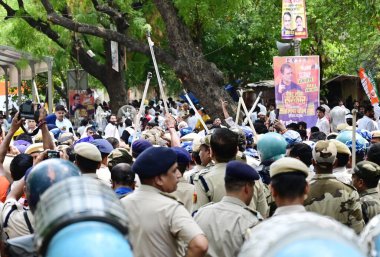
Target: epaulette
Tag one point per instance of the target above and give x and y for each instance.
(255, 213)
(196, 176)
(207, 204)
(171, 197)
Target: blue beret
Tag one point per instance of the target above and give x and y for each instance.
(240, 170)
(51, 118)
(103, 145)
(154, 161)
(182, 155)
(139, 146)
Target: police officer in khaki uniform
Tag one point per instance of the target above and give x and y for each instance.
(330, 197)
(365, 179)
(288, 185)
(225, 223)
(204, 156)
(159, 225)
(185, 191)
(209, 186)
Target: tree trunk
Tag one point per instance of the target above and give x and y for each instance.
(114, 81)
(198, 75)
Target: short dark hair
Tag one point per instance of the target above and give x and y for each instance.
(321, 109)
(342, 159)
(197, 159)
(233, 185)
(19, 165)
(302, 124)
(60, 107)
(316, 136)
(192, 112)
(86, 164)
(292, 126)
(128, 122)
(303, 152)
(224, 143)
(368, 108)
(84, 122)
(122, 174)
(314, 129)
(289, 185)
(113, 141)
(182, 167)
(373, 153)
(25, 137)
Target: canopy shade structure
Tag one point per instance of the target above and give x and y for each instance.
(14, 76)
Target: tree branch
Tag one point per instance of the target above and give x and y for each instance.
(131, 44)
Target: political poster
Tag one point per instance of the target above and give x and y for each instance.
(369, 86)
(297, 85)
(294, 24)
(81, 103)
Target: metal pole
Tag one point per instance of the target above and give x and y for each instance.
(249, 119)
(6, 75)
(253, 107)
(297, 47)
(18, 86)
(196, 111)
(151, 44)
(238, 111)
(50, 84)
(353, 154)
(139, 113)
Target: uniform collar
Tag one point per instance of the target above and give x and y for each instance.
(369, 191)
(147, 188)
(340, 170)
(289, 209)
(324, 176)
(233, 200)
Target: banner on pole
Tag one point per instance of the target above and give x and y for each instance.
(294, 24)
(297, 84)
(369, 86)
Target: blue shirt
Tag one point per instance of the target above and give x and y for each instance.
(123, 191)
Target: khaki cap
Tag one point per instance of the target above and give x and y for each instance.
(88, 151)
(342, 126)
(340, 147)
(287, 165)
(324, 152)
(375, 134)
(33, 148)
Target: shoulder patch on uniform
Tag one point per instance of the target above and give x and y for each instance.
(255, 213)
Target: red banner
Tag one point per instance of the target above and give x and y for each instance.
(368, 86)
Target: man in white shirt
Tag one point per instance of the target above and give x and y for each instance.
(111, 129)
(192, 120)
(61, 122)
(322, 122)
(368, 122)
(337, 116)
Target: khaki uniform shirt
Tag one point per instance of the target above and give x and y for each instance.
(13, 214)
(297, 208)
(370, 200)
(215, 185)
(225, 224)
(330, 197)
(157, 223)
(185, 193)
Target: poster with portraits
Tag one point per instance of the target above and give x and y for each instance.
(82, 103)
(297, 85)
(293, 21)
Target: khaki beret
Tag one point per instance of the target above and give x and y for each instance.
(287, 165)
(375, 134)
(33, 148)
(367, 169)
(340, 147)
(88, 151)
(206, 140)
(342, 126)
